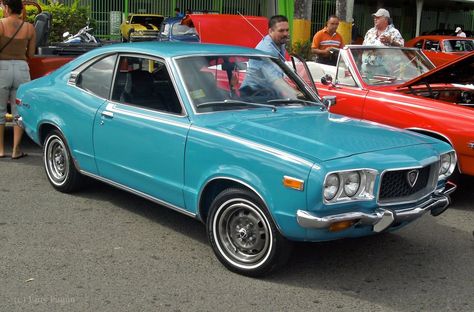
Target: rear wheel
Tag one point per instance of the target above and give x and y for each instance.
(58, 163)
(243, 235)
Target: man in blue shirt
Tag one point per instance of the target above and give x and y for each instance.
(260, 73)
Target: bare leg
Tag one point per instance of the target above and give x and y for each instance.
(2, 140)
(17, 135)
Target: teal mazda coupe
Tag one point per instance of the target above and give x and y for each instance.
(234, 138)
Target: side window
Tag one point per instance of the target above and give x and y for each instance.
(97, 78)
(432, 45)
(145, 82)
(419, 44)
(344, 75)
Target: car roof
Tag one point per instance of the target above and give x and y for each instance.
(174, 49)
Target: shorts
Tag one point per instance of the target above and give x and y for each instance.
(12, 74)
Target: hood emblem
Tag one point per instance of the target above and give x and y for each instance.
(412, 177)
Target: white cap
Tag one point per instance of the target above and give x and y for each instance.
(458, 29)
(381, 12)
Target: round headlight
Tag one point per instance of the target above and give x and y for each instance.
(352, 183)
(445, 163)
(331, 186)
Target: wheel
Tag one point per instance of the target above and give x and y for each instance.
(243, 235)
(59, 165)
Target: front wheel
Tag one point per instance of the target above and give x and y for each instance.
(243, 235)
(58, 163)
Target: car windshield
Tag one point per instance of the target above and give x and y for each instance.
(383, 66)
(147, 20)
(458, 45)
(226, 82)
(180, 30)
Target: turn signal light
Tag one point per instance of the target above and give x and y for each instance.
(339, 226)
(293, 183)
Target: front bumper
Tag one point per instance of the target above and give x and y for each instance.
(381, 218)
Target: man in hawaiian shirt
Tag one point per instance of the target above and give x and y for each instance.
(383, 33)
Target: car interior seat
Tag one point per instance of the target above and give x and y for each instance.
(139, 90)
(42, 25)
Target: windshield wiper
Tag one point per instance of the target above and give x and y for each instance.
(235, 102)
(299, 101)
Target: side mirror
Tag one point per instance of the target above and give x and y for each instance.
(326, 80)
(329, 100)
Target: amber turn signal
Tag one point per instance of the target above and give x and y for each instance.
(293, 183)
(339, 226)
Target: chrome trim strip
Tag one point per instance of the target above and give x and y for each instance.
(112, 107)
(380, 218)
(258, 146)
(141, 194)
(415, 129)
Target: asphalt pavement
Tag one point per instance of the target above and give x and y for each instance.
(103, 249)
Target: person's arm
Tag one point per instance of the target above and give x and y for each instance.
(30, 50)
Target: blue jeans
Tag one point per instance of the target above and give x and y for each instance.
(12, 74)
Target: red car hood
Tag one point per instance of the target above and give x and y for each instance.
(460, 70)
(230, 29)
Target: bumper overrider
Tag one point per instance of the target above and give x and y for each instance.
(381, 218)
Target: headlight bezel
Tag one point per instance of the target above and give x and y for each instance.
(365, 190)
(447, 165)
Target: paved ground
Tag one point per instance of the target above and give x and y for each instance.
(106, 250)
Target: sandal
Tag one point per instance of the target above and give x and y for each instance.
(20, 156)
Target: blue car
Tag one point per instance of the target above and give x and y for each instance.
(173, 30)
(234, 138)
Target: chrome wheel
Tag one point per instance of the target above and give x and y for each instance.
(242, 233)
(56, 160)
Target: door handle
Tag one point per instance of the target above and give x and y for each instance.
(107, 114)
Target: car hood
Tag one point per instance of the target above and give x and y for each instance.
(460, 70)
(230, 29)
(318, 136)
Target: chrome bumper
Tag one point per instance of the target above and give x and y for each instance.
(381, 218)
(19, 121)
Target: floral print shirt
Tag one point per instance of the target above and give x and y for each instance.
(371, 37)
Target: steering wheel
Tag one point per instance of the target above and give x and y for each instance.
(33, 3)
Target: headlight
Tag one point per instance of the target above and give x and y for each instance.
(352, 183)
(356, 185)
(331, 186)
(447, 163)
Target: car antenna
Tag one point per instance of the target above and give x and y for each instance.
(261, 35)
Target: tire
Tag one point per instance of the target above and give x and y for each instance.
(58, 163)
(243, 235)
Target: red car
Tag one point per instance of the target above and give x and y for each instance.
(442, 49)
(400, 87)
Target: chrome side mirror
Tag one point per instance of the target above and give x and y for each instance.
(329, 100)
(326, 80)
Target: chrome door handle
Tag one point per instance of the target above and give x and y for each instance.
(107, 114)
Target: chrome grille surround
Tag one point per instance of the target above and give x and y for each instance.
(394, 188)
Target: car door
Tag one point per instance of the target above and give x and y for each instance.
(89, 86)
(140, 133)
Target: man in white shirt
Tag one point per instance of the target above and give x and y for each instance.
(459, 32)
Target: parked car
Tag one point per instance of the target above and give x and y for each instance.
(171, 122)
(246, 31)
(141, 27)
(400, 87)
(442, 49)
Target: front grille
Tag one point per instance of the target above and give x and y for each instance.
(395, 187)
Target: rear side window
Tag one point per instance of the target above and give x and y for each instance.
(97, 78)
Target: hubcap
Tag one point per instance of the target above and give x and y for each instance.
(57, 161)
(242, 232)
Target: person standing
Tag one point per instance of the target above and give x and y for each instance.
(459, 32)
(275, 44)
(17, 44)
(383, 33)
(327, 41)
